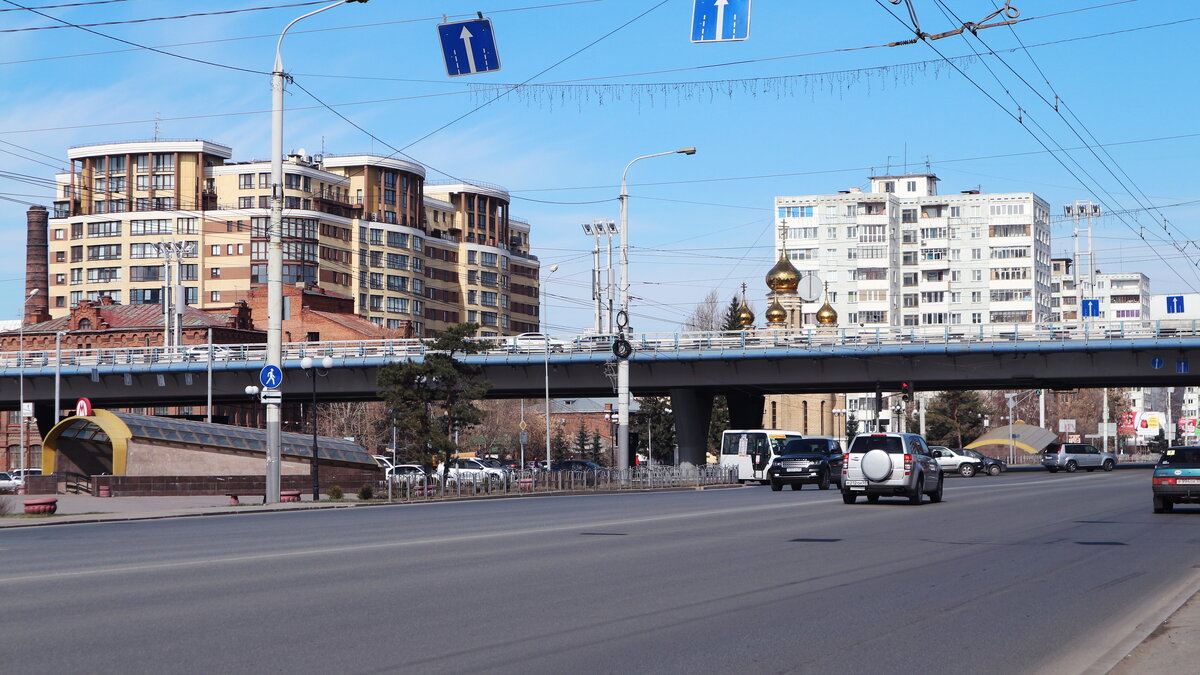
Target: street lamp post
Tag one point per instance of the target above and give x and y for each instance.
(275, 255)
(21, 381)
(58, 374)
(623, 315)
(311, 367)
(545, 309)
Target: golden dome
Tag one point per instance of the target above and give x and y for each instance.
(783, 277)
(776, 314)
(745, 317)
(826, 316)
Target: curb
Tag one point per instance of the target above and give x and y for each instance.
(251, 509)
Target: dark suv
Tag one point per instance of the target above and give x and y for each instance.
(1177, 478)
(807, 460)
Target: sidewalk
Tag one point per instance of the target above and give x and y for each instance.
(1173, 647)
(89, 509)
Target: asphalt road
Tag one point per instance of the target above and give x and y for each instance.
(1016, 573)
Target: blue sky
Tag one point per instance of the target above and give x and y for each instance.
(809, 104)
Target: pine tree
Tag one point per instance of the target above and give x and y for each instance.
(730, 321)
(851, 425)
(581, 441)
(429, 399)
(595, 449)
(955, 418)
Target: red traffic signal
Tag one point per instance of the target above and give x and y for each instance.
(906, 391)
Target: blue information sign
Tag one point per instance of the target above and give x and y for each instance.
(720, 20)
(1181, 366)
(1091, 308)
(469, 47)
(1174, 304)
(270, 377)
(1156, 362)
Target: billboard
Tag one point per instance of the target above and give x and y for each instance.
(1127, 424)
(1148, 424)
(1187, 426)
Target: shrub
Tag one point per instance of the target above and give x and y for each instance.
(6, 505)
(365, 493)
(335, 492)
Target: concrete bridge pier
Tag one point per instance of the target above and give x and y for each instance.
(745, 410)
(693, 411)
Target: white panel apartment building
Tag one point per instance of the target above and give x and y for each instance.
(903, 255)
(1123, 296)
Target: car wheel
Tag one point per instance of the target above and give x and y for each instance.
(824, 483)
(917, 495)
(776, 486)
(873, 499)
(1160, 505)
(797, 486)
(936, 495)
(1108, 465)
(849, 497)
(966, 470)
(1071, 466)
(994, 470)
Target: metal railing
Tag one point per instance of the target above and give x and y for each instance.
(855, 337)
(431, 487)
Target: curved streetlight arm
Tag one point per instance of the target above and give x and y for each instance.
(279, 44)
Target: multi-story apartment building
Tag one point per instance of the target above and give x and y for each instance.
(903, 255)
(1123, 296)
(415, 258)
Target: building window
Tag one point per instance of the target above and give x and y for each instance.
(214, 296)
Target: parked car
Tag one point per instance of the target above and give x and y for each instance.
(890, 464)
(1176, 478)
(20, 474)
(954, 460)
(575, 465)
(412, 474)
(9, 481)
(807, 460)
(474, 470)
(992, 466)
(1072, 456)
(533, 343)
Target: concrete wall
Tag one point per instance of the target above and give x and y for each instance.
(147, 459)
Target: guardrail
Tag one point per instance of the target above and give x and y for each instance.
(431, 487)
(527, 344)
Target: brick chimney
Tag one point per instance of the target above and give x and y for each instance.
(37, 265)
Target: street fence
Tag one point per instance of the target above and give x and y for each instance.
(431, 487)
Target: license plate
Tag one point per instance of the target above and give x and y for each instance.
(1187, 481)
(856, 483)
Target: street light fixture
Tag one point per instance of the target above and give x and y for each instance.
(546, 338)
(623, 315)
(311, 368)
(275, 255)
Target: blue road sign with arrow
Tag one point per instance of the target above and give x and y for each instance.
(720, 20)
(270, 377)
(1174, 304)
(1156, 362)
(1181, 366)
(1091, 308)
(469, 47)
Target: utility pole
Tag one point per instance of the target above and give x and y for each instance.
(1106, 419)
(1085, 259)
(1042, 408)
(174, 299)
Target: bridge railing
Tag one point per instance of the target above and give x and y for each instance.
(791, 339)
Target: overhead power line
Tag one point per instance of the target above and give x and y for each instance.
(158, 18)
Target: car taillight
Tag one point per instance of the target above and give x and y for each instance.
(907, 464)
(1163, 480)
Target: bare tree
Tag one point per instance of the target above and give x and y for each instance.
(707, 314)
(364, 421)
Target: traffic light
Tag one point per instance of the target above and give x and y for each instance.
(906, 391)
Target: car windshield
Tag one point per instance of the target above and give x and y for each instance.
(1181, 457)
(973, 453)
(803, 446)
(495, 463)
(890, 444)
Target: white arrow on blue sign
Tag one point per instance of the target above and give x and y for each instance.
(720, 20)
(469, 47)
(1156, 362)
(1181, 367)
(1174, 304)
(1091, 308)
(270, 376)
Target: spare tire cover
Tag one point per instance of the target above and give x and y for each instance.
(877, 465)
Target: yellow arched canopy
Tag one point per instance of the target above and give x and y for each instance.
(100, 426)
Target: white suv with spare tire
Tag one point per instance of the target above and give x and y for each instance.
(890, 464)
